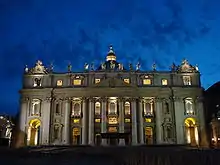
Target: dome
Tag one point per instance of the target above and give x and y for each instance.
(111, 55)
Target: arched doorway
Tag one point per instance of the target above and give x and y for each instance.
(149, 135)
(76, 136)
(191, 132)
(33, 138)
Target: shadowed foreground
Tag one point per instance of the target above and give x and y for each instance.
(83, 155)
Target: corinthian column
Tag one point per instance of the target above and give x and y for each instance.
(141, 120)
(158, 111)
(67, 108)
(134, 122)
(104, 118)
(121, 120)
(91, 121)
(84, 123)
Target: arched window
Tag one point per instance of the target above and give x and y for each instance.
(57, 110)
(97, 108)
(36, 107)
(76, 110)
(112, 108)
(189, 106)
(166, 108)
(127, 108)
(148, 108)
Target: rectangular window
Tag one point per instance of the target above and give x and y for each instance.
(147, 120)
(127, 120)
(59, 82)
(112, 129)
(147, 81)
(112, 120)
(97, 80)
(164, 82)
(126, 80)
(76, 120)
(186, 80)
(97, 120)
(77, 82)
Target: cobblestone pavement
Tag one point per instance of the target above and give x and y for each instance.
(84, 155)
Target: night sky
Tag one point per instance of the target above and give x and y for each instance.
(79, 31)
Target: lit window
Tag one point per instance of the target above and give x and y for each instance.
(77, 82)
(112, 129)
(76, 109)
(97, 120)
(76, 120)
(126, 80)
(37, 82)
(36, 107)
(127, 108)
(186, 80)
(147, 81)
(148, 108)
(59, 82)
(112, 108)
(97, 108)
(112, 120)
(147, 120)
(97, 80)
(164, 82)
(127, 120)
(189, 106)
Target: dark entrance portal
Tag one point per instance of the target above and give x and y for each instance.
(113, 138)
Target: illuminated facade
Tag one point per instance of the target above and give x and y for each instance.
(112, 105)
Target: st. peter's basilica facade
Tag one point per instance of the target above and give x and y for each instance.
(112, 105)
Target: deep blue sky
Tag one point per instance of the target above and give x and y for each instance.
(80, 31)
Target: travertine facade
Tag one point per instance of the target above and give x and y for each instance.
(112, 105)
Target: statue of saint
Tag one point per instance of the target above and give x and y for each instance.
(86, 66)
(26, 69)
(112, 65)
(154, 67)
(120, 66)
(69, 67)
(197, 67)
(138, 66)
(173, 67)
(130, 67)
(103, 65)
(92, 66)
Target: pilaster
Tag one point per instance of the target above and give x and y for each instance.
(121, 119)
(84, 122)
(159, 112)
(91, 120)
(66, 134)
(141, 121)
(201, 122)
(104, 119)
(179, 116)
(134, 121)
(46, 109)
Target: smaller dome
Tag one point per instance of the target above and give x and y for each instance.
(111, 54)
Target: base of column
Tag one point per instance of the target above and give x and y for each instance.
(104, 142)
(121, 142)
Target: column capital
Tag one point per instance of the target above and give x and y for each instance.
(176, 98)
(24, 99)
(104, 99)
(199, 99)
(92, 99)
(158, 99)
(47, 99)
(122, 99)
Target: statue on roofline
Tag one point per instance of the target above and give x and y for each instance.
(103, 66)
(86, 66)
(138, 66)
(69, 67)
(154, 67)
